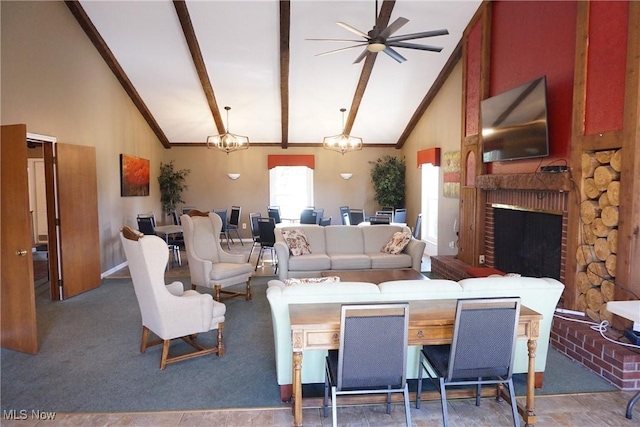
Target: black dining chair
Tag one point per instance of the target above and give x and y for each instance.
(344, 215)
(234, 222)
(308, 216)
(481, 352)
(274, 212)
(267, 227)
(255, 231)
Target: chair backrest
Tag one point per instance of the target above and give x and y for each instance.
(255, 231)
(234, 218)
(346, 218)
(146, 224)
(319, 214)
(325, 221)
(400, 216)
(222, 213)
(175, 217)
(344, 215)
(308, 216)
(373, 345)
(201, 232)
(380, 219)
(386, 211)
(274, 212)
(356, 216)
(484, 338)
(267, 229)
(417, 230)
(147, 257)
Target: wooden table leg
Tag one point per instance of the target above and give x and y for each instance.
(297, 389)
(530, 415)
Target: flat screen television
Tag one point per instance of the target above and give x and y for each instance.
(514, 123)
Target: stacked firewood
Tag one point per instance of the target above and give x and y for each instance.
(596, 255)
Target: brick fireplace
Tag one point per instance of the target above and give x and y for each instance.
(547, 193)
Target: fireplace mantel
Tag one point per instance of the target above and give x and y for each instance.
(543, 181)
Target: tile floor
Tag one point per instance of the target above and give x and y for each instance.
(580, 410)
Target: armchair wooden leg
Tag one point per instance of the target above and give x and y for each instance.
(145, 337)
(220, 343)
(165, 354)
(217, 289)
(248, 294)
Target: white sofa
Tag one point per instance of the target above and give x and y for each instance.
(345, 247)
(539, 294)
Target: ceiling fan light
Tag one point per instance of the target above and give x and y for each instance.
(376, 47)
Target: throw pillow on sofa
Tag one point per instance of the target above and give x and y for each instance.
(397, 243)
(293, 281)
(297, 242)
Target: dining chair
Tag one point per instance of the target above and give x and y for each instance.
(255, 231)
(267, 227)
(146, 225)
(481, 352)
(400, 216)
(388, 210)
(319, 214)
(344, 215)
(233, 224)
(356, 216)
(325, 221)
(308, 216)
(372, 356)
(274, 212)
(417, 230)
(222, 213)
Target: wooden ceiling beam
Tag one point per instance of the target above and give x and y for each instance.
(198, 62)
(285, 33)
(367, 68)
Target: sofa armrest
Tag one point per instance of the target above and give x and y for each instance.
(282, 252)
(415, 249)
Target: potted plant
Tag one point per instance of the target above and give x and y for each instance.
(171, 186)
(387, 176)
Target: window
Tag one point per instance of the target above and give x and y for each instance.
(430, 190)
(291, 188)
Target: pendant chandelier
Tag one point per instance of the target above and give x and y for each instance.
(343, 142)
(228, 141)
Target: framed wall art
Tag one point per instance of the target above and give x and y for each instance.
(134, 176)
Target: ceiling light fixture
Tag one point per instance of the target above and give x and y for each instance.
(228, 141)
(343, 142)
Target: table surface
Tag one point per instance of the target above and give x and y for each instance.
(375, 276)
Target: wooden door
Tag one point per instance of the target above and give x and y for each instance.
(17, 290)
(78, 229)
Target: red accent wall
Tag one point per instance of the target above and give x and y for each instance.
(530, 39)
(474, 45)
(604, 106)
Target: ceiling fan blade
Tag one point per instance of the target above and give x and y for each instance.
(424, 34)
(341, 49)
(415, 46)
(361, 56)
(353, 30)
(395, 26)
(336, 40)
(395, 55)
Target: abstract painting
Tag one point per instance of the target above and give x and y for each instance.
(134, 176)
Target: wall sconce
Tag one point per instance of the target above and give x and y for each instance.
(346, 175)
(233, 176)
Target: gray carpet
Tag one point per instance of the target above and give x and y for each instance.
(89, 361)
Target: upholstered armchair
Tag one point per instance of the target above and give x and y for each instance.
(167, 310)
(210, 266)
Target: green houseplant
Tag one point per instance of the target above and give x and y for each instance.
(171, 186)
(387, 176)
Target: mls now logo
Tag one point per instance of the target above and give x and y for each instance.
(23, 414)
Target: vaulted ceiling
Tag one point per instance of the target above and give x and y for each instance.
(182, 62)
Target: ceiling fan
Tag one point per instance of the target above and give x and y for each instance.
(381, 40)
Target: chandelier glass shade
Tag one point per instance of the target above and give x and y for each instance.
(228, 141)
(343, 142)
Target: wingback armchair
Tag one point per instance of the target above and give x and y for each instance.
(167, 310)
(210, 266)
